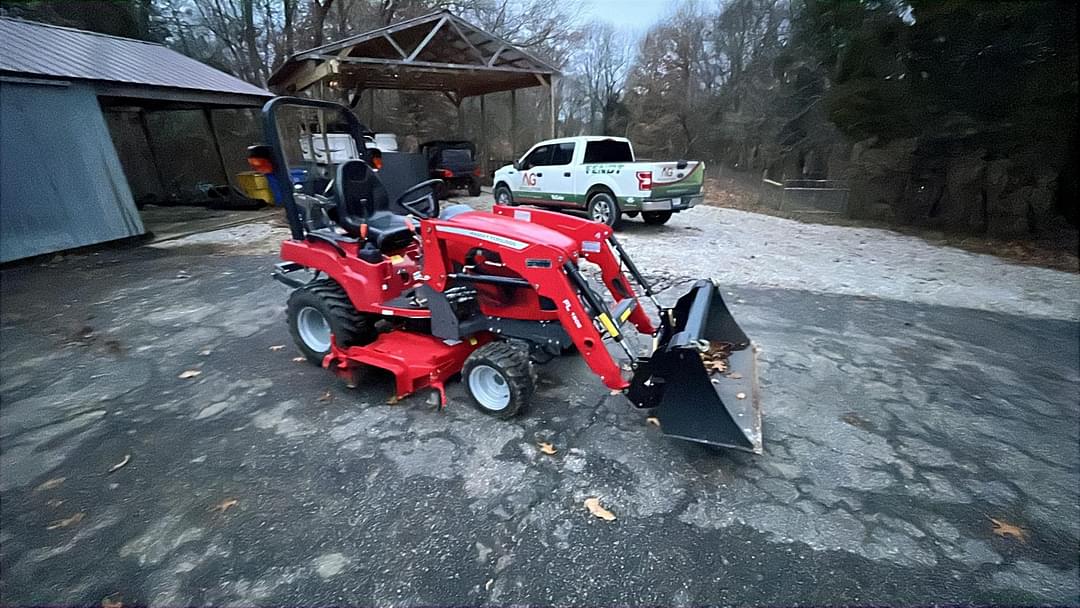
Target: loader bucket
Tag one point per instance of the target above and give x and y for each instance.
(702, 375)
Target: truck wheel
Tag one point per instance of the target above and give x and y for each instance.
(604, 209)
(503, 196)
(631, 214)
(499, 379)
(656, 217)
(474, 187)
(321, 309)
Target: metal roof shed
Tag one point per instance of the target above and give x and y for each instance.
(61, 181)
(436, 52)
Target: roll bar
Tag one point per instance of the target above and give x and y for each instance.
(281, 168)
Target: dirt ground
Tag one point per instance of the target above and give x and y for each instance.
(1058, 250)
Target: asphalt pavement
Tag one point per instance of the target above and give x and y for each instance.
(913, 453)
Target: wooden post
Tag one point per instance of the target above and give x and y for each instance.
(513, 121)
(370, 119)
(153, 155)
(551, 100)
(460, 118)
(209, 114)
(483, 137)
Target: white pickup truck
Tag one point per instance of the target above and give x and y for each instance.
(600, 175)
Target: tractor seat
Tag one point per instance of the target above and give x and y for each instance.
(388, 231)
(363, 200)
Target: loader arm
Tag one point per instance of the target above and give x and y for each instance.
(544, 264)
(597, 244)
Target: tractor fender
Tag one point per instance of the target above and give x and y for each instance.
(349, 272)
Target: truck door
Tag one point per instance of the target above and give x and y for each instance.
(559, 176)
(529, 185)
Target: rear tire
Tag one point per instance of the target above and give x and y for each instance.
(656, 218)
(631, 214)
(499, 379)
(321, 309)
(474, 188)
(503, 196)
(604, 209)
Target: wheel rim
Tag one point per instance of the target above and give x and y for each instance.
(601, 210)
(489, 387)
(503, 197)
(314, 329)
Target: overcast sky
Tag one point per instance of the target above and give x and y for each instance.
(635, 15)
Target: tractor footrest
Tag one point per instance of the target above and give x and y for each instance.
(417, 361)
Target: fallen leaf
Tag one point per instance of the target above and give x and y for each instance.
(392, 400)
(225, 505)
(740, 395)
(716, 365)
(121, 464)
(112, 601)
(52, 503)
(277, 347)
(67, 521)
(855, 420)
(191, 373)
(1003, 529)
(299, 359)
(327, 396)
(51, 484)
(593, 505)
(487, 585)
(735, 376)
(615, 392)
(546, 448)
(653, 420)
(205, 353)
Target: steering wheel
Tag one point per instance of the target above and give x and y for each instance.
(426, 206)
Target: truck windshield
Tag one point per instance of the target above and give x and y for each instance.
(608, 151)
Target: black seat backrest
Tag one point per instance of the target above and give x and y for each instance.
(360, 195)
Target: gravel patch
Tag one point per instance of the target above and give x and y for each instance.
(743, 248)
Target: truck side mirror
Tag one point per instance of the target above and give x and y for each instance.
(517, 165)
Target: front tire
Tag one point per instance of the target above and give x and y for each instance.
(656, 218)
(604, 209)
(322, 309)
(503, 196)
(498, 377)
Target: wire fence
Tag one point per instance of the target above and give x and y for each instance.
(806, 195)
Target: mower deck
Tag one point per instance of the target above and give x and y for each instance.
(418, 361)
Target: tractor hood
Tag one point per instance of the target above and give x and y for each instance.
(497, 231)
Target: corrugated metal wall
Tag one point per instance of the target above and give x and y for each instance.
(61, 184)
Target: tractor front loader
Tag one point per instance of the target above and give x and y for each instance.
(429, 295)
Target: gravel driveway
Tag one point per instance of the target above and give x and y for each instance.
(918, 402)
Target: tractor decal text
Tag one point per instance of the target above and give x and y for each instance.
(573, 315)
(603, 169)
(484, 236)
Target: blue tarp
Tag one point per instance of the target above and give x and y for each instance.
(61, 183)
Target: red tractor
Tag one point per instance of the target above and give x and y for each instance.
(488, 295)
